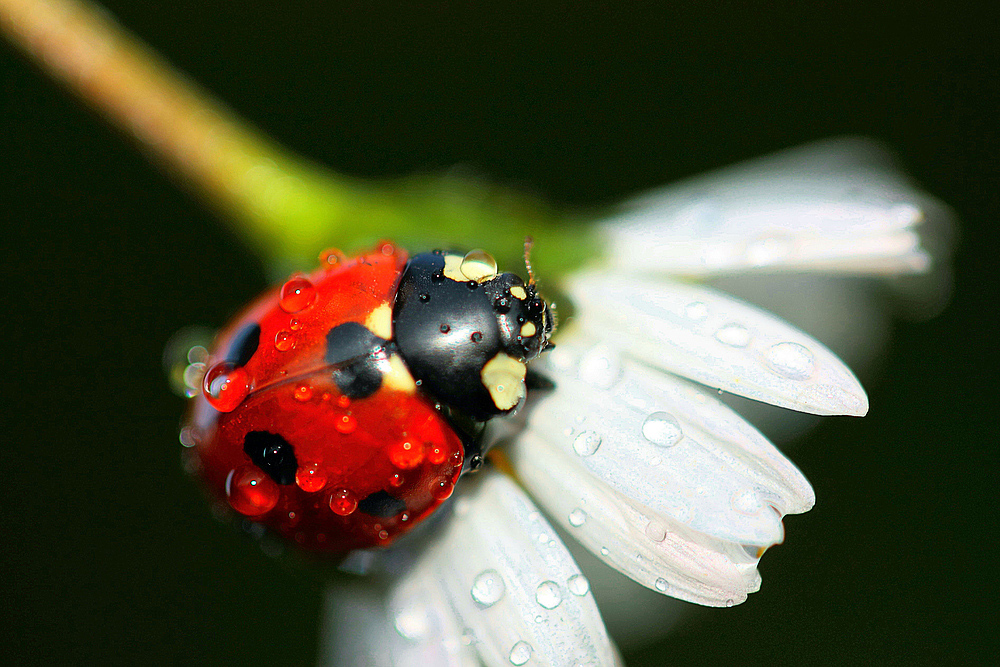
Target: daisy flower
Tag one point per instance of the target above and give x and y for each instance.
(632, 453)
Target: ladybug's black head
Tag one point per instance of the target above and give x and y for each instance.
(466, 331)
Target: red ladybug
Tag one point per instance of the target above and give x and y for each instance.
(340, 409)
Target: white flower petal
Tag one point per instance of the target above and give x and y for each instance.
(651, 549)
(668, 446)
(832, 206)
(362, 631)
(718, 341)
(509, 581)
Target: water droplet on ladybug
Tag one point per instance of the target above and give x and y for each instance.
(396, 480)
(303, 393)
(294, 324)
(444, 328)
(437, 455)
(343, 502)
(424, 297)
(406, 454)
(477, 336)
(310, 477)
(296, 294)
(346, 424)
(478, 266)
(225, 387)
(344, 401)
(251, 491)
(383, 534)
(331, 257)
(442, 489)
(284, 341)
(387, 248)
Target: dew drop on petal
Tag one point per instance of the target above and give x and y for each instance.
(413, 623)
(600, 366)
(661, 585)
(792, 360)
(696, 311)
(746, 502)
(296, 294)
(548, 594)
(488, 588)
(578, 584)
(656, 531)
(587, 443)
(520, 653)
(577, 517)
(662, 429)
(734, 335)
(605, 551)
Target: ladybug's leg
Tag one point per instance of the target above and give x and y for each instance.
(470, 432)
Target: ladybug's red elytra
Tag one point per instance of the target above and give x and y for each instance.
(340, 409)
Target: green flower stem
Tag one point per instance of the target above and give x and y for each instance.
(285, 207)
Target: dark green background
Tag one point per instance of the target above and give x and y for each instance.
(109, 553)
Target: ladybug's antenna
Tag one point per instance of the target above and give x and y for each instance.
(528, 242)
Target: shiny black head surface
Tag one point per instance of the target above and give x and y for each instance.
(466, 331)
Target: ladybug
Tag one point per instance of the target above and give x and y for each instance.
(340, 409)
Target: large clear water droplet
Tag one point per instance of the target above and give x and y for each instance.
(488, 588)
(578, 584)
(662, 429)
(548, 594)
(520, 653)
(587, 443)
(478, 265)
(792, 360)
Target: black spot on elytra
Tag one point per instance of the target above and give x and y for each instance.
(272, 454)
(244, 344)
(355, 352)
(382, 505)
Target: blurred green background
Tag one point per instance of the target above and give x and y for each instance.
(109, 552)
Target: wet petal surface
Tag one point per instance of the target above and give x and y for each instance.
(716, 340)
(832, 206)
